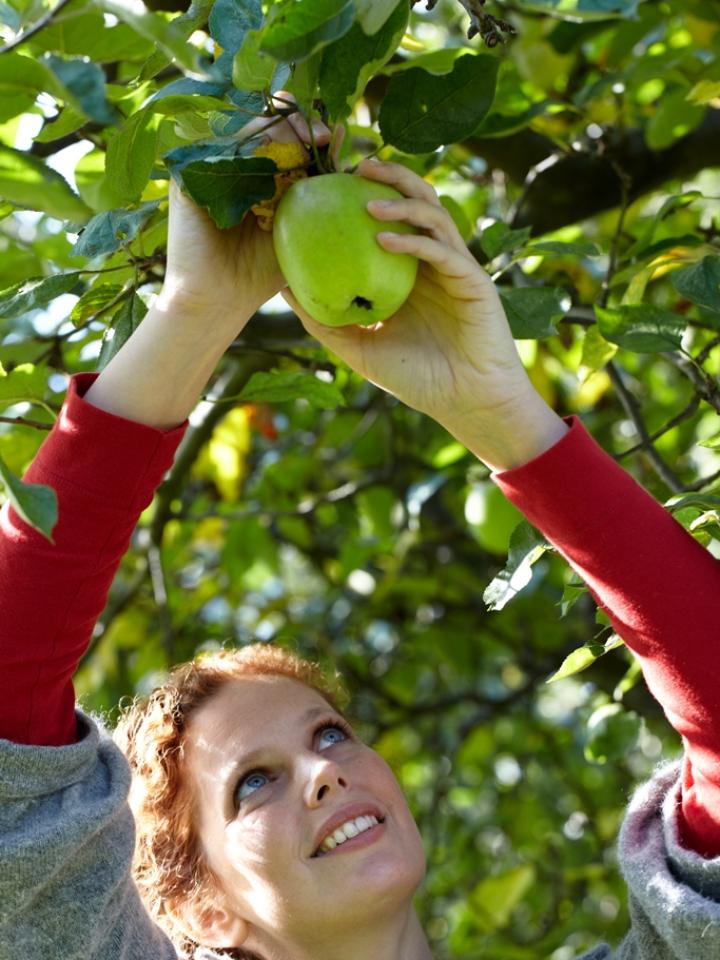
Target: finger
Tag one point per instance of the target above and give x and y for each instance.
(404, 180)
(428, 216)
(464, 280)
(336, 339)
(300, 125)
(338, 138)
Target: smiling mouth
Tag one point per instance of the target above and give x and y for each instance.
(324, 853)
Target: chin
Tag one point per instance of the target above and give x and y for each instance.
(392, 877)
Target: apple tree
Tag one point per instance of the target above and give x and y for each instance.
(576, 144)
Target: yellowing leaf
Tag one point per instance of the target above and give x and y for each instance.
(494, 899)
(223, 459)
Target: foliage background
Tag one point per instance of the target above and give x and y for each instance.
(315, 510)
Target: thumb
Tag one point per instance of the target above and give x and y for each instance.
(337, 339)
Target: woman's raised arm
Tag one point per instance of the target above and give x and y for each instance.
(449, 352)
(114, 440)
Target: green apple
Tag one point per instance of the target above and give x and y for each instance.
(326, 244)
(491, 517)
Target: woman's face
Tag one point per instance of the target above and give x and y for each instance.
(273, 767)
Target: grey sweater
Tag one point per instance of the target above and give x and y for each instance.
(66, 843)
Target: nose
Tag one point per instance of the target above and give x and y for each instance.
(324, 780)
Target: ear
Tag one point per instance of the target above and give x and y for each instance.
(214, 926)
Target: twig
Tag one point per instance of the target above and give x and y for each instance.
(490, 28)
(159, 587)
(632, 409)
(703, 482)
(35, 28)
(706, 386)
(683, 415)
(24, 422)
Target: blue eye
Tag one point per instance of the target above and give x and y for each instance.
(252, 783)
(333, 730)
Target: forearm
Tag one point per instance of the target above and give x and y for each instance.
(157, 377)
(659, 586)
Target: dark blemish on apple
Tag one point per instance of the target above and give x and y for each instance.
(362, 302)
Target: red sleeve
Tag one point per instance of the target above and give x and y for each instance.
(658, 585)
(104, 470)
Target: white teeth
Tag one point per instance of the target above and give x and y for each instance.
(347, 831)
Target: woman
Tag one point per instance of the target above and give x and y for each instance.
(244, 768)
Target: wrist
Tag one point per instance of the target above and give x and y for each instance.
(511, 433)
(202, 314)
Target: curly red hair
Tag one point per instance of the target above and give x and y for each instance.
(169, 867)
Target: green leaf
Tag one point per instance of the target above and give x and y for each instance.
(611, 732)
(282, 385)
(700, 283)
(577, 661)
(252, 68)
(494, 898)
(499, 123)
(563, 249)
(68, 121)
(499, 238)
(641, 328)
(36, 504)
(93, 301)
(374, 14)
(27, 182)
(86, 84)
(21, 80)
(670, 205)
(123, 325)
(596, 351)
(703, 501)
(713, 443)
(579, 11)
(421, 112)
(186, 87)
(131, 156)
(532, 311)
(170, 38)
(348, 64)
(704, 92)
(571, 594)
(232, 20)
(584, 657)
(35, 293)
(26, 383)
(228, 188)
(674, 117)
(527, 545)
(112, 229)
(82, 32)
(297, 31)
(437, 62)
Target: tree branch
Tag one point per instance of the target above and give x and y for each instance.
(35, 28)
(632, 409)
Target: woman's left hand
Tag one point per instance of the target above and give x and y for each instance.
(448, 351)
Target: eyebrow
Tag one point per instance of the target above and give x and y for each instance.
(248, 760)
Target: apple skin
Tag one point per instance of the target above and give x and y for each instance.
(325, 242)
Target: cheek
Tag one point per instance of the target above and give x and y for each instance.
(384, 781)
(258, 846)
